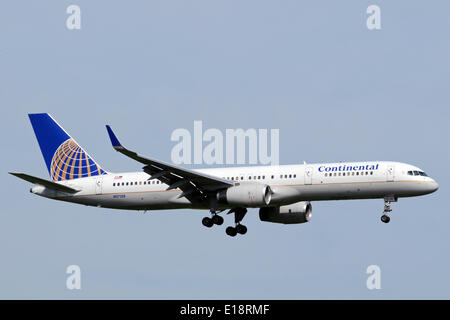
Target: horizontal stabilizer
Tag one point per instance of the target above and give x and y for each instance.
(43, 182)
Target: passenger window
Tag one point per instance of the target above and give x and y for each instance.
(295, 175)
(285, 176)
(357, 173)
(326, 174)
(281, 176)
(290, 176)
(263, 177)
(335, 174)
(371, 172)
(259, 177)
(114, 184)
(249, 177)
(353, 173)
(343, 174)
(273, 177)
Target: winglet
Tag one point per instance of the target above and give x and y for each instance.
(114, 141)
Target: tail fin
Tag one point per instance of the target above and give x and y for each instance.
(64, 158)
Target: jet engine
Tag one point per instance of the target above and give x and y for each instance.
(299, 212)
(246, 194)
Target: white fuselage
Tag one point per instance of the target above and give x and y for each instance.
(289, 183)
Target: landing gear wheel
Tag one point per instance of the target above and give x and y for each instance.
(217, 220)
(231, 231)
(207, 222)
(385, 218)
(241, 229)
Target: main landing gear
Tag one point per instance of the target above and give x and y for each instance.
(214, 220)
(387, 208)
(239, 214)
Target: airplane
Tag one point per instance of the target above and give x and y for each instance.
(283, 193)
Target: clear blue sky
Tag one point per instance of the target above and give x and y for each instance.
(336, 91)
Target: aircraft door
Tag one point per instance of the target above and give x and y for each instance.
(98, 185)
(390, 173)
(308, 175)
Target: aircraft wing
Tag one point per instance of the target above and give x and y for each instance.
(43, 182)
(195, 185)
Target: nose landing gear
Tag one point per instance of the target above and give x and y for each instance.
(387, 208)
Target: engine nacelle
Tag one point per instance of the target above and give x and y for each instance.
(246, 194)
(299, 212)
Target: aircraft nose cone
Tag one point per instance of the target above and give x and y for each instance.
(434, 186)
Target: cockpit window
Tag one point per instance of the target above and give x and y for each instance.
(417, 173)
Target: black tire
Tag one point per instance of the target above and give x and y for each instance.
(207, 222)
(385, 218)
(241, 229)
(217, 220)
(231, 231)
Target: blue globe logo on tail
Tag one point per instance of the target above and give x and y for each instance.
(65, 159)
(71, 162)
